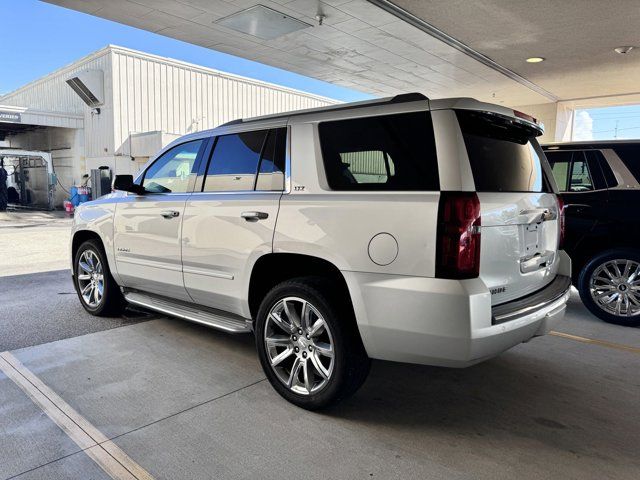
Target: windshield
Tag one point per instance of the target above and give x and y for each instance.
(502, 153)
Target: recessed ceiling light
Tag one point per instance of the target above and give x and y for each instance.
(535, 59)
(623, 50)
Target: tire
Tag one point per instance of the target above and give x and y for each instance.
(345, 370)
(111, 303)
(594, 280)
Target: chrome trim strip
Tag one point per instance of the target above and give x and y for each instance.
(207, 273)
(458, 45)
(148, 263)
(550, 294)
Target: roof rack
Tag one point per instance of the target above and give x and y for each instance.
(401, 98)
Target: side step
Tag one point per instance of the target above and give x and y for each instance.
(216, 319)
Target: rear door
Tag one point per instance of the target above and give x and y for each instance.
(229, 223)
(519, 212)
(581, 185)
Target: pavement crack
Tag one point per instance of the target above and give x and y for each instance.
(192, 407)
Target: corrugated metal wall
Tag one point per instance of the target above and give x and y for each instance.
(143, 93)
(51, 92)
(151, 93)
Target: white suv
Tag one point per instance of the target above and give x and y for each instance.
(399, 229)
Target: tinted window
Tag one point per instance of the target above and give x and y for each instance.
(576, 170)
(630, 156)
(580, 176)
(595, 157)
(174, 170)
(560, 165)
(501, 154)
(391, 152)
(234, 162)
(271, 176)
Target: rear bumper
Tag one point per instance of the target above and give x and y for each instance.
(448, 322)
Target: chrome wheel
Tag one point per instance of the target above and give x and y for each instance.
(615, 287)
(299, 345)
(90, 278)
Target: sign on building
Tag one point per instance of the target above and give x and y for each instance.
(10, 117)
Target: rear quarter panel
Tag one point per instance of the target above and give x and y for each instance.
(339, 226)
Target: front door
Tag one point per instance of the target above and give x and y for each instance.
(147, 227)
(230, 223)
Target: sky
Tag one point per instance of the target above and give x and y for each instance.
(38, 38)
(607, 123)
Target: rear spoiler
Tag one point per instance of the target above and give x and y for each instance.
(518, 118)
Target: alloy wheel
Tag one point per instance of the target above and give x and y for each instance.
(615, 287)
(90, 278)
(299, 345)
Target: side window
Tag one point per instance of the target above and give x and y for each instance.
(560, 164)
(374, 166)
(575, 171)
(174, 171)
(630, 156)
(581, 180)
(390, 152)
(271, 174)
(561, 174)
(595, 157)
(234, 163)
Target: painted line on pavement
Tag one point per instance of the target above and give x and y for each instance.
(109, 457)
(595, 341)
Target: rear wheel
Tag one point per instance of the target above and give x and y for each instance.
(96, 288)
(609, 286)
(308, 343)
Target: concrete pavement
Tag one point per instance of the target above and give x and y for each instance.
(187, 402)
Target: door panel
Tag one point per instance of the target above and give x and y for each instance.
(148, 227)
(229, 225)
(582, 187)
(147, 243)
(220, 245)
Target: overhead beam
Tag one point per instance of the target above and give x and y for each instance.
(458, 45)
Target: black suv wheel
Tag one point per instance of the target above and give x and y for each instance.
(308, 343)
(609, 286)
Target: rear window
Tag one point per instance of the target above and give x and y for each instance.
(501, 154)
(388, 152)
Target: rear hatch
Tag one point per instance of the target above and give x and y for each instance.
(519, 213)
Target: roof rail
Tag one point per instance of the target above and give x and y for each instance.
(401, 98)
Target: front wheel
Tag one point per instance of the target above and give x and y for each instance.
(308, 343)
(609, 286)
(96, 288)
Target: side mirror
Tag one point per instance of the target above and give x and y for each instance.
(125, 183)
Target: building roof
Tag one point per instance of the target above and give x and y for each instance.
(170, 61)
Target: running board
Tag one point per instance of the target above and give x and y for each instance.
(220, 320)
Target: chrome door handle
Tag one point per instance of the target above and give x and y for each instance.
(169, 213)
(254, 216)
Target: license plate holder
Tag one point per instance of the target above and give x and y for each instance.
(532, 239)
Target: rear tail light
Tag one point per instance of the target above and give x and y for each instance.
(561, 222)
(458, 247)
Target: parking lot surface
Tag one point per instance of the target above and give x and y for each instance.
(180, 401)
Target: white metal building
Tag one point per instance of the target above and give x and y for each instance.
(135, 103)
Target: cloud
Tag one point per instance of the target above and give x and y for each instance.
(583, 126)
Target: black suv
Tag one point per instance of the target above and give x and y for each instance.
(599, 185)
